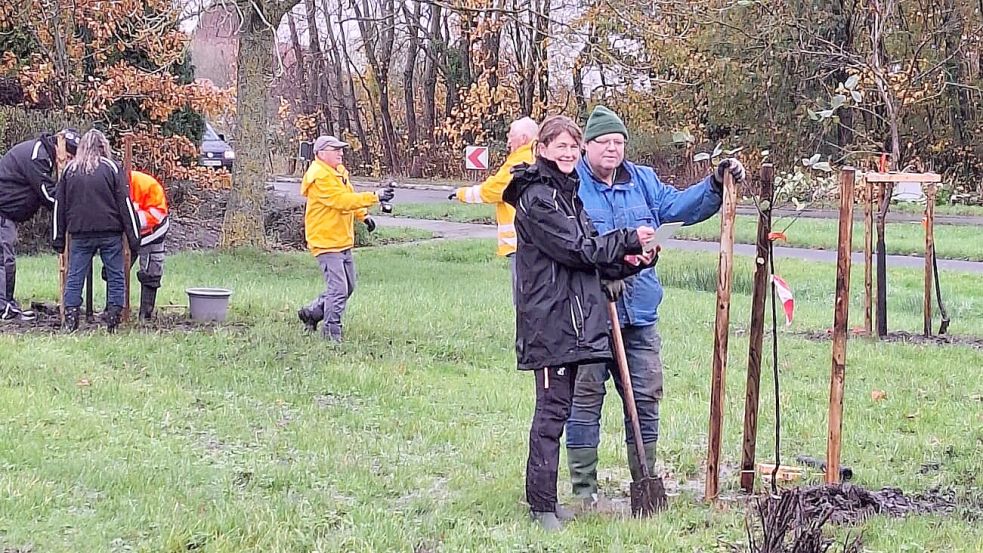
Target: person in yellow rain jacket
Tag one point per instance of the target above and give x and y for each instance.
(329, 223)
(521, 134)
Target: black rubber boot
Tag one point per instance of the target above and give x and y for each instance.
(309, 318)
(113, 315)
(548, 521)
(71, 323)
(148, 300)
(635, 467)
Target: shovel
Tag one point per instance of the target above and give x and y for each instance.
(648, 495)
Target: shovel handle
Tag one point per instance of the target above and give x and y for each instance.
(622, 359)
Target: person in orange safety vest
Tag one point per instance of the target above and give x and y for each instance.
(150, 202)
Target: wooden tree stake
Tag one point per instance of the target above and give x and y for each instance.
(869, 259)
(721, 332)
(758, 298)
(840, 323)
(929, 254)
(61, 159)
(127, 261)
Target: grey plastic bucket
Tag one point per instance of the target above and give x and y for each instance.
(208, 304)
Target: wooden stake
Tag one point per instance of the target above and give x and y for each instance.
(840, 321)
(88, 294)
(884, 198)
(127, 262)
(869, 259)
(721, 333)
(760, 294)
(929, 254)
(61, 160)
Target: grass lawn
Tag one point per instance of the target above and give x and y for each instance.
(412, 436)
(951, 241)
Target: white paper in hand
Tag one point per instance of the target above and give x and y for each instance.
(662, 234)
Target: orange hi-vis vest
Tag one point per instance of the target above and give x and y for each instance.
(490, 192)
(148, 198)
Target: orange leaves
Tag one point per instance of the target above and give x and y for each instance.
(78, 66)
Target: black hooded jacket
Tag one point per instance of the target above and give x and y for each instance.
(561, 311)
(95, 205)
(26, 181)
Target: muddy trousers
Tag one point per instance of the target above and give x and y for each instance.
(554, 396)
(8, 264)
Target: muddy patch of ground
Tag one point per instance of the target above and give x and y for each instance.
(850, 504)
(168, 319)
(902, 338)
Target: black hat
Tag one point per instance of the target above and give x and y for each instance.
(71, 137)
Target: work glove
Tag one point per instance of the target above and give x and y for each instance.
(385, 194)
(369, 224)
(452, 196)
(58, 245)
(613, 289)
(730, 165)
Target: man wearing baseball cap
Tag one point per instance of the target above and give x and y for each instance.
(329, 223)
(27, 182)
(617, 193)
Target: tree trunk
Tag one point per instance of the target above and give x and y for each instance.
(491, 42)
(429, 119)
(243, 223)
(409, 95)
(542, 54)
(452, 78)
(319, 84)
(352, 99)
(301, 91)
(960, 103)
(343, 101)
(380, 61)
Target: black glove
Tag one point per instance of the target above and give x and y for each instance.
(730, 165)
(613, 289)
(369, 224)
(452, 196)
(385, 194)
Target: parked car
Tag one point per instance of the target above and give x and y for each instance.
(215, 151)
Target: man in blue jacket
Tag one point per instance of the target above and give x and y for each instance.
(619, 194)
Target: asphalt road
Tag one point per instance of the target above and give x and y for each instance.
(446, 229)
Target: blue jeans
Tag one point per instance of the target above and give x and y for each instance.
(81, 250)
(643, 348)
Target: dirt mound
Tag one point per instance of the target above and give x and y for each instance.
(197, 214)
(793, 521)
(902, 337)
(168, 319)
(850, 504)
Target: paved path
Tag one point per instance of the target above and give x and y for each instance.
(435, 193)
(446, 229)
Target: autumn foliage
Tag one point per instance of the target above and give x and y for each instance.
(121, 64)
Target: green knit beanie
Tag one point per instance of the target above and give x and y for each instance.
(603, 121)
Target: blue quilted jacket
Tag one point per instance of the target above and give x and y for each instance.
(639, 198)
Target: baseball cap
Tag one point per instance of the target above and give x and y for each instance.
(326, 141)
(71, 140)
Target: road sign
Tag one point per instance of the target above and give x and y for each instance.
(476, 158)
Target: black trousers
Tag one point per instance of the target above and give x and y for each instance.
(554, 396)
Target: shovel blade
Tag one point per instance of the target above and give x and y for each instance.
(648, 496)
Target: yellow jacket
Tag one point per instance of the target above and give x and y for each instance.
(332, 206)
(490, 192)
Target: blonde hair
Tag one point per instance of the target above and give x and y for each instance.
(93, 146)
(554, 126)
